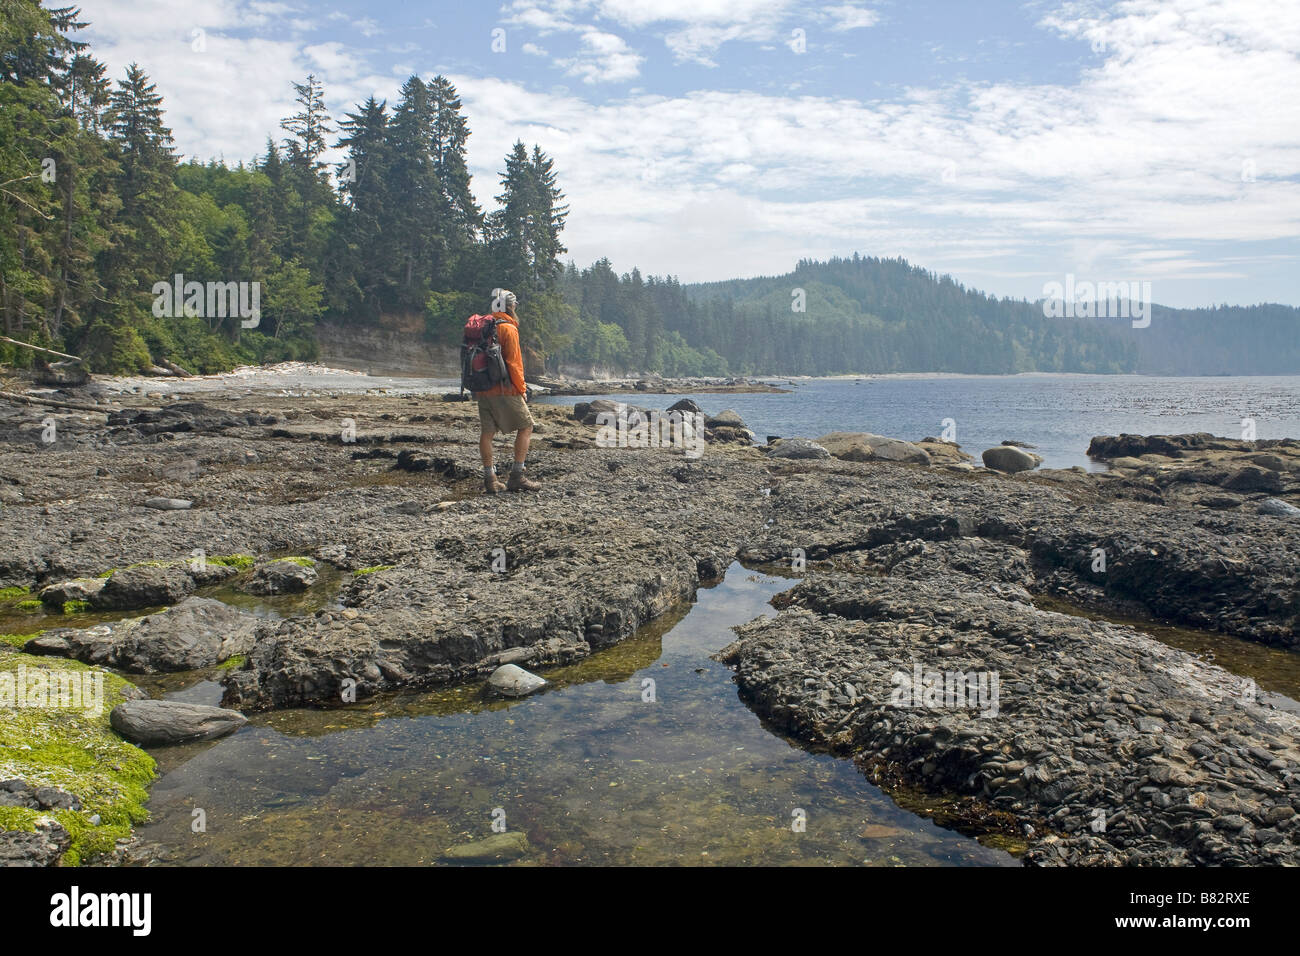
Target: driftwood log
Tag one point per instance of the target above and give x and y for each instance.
(38, 348)
(175, 369)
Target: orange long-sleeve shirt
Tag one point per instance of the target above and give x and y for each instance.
(508, 336)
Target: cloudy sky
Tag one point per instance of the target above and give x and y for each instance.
(1007, 143)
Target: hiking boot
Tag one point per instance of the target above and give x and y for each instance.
(519, 482)
(492, 485)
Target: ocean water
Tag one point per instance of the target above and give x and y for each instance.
(1058, 414)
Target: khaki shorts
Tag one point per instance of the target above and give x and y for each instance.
(503, 413)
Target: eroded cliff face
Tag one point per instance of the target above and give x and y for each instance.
(398, 350)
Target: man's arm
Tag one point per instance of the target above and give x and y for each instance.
(514, 357)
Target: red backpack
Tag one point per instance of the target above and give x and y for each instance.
(482, 365)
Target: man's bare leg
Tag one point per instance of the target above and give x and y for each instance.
(490, 483)
(522, 439)
(517, 481)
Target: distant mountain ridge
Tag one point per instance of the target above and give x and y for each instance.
(865, 314)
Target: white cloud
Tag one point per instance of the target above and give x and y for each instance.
(333, 57)
(225, 101)
(602, 58)
(849, 17)
(695, 28)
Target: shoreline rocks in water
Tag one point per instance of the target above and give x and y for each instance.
(156, 723)
(1117, 749)
(618, 536)
(1010, 459)
(510, 680)
(283, 576)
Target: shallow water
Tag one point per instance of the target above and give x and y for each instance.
(1057, 414)
(591, 771)
(323, 594)
(1275, 671)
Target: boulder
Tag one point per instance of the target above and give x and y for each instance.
(866, 446)
(198, 632)
(604, 406)
(725, 419)
(943, 452)
(168, 504)
(1278, 508)
(208, 573)
(90, 645)
(1251, 478)
(1009, 459)
(78, 589)
(281, 577)
(845, 447)
(510, 680)
(1273, 462)
(739, 436)
(1127, 462)
(155, 723)
(797, 448)
(685, 405)
(493, 849)
(138, 587)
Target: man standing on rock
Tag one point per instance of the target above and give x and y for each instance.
(504, 407)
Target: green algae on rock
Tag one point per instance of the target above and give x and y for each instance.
(74, 750)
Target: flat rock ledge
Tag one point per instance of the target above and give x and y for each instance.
(1107, 746)
(198, 632)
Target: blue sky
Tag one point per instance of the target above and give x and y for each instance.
(1009, 144)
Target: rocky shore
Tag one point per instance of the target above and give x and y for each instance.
(910, 555)
(1104, 745)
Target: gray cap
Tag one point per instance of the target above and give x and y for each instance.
(503, 300)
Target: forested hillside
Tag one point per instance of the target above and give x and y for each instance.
(882, 315)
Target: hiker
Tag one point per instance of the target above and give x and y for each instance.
(503, 407)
